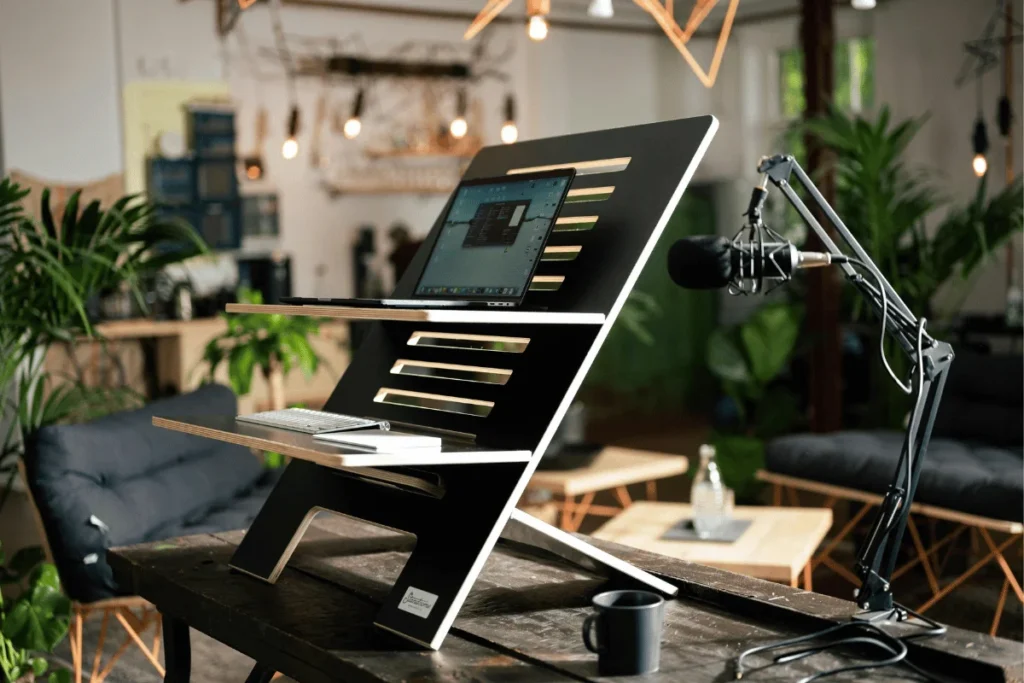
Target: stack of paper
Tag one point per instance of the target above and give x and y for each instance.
(383, 442)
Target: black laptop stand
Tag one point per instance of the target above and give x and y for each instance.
(494, 384)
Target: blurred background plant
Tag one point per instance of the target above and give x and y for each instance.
(749, 359)
(269, 343)
(34, 622)
(50, 271)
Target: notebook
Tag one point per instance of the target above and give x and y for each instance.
(383, 442)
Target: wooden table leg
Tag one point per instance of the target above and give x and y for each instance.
(808, 581)
(652, 489)
(177, 651)
(565, 518)
(260, 674)
(622, 493)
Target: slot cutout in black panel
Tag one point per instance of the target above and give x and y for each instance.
(448, 404)
(451, 371)
(589, 194)
(471, 342)
(582, 167)
(565, 253)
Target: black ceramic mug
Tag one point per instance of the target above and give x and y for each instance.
(625, 632)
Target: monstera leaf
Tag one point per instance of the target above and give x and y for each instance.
(39, 619)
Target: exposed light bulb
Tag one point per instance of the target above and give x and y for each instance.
(509, 132)
(537, 28)
(253, 167)
(290, 148)
(601, 9)
(459, 128)
(863, 4)
(352, 128)
(980, 165)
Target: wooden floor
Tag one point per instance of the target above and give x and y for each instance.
(521, 621)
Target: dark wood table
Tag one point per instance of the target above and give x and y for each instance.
(521, 622)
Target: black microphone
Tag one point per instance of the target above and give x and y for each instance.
(710, 262)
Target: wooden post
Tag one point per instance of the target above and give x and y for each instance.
(817, 38)
(1008, 140)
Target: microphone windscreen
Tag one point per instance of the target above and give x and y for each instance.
(703, 262)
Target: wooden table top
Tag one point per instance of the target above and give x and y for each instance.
(613, 467)
(521, 621)
(775, 547)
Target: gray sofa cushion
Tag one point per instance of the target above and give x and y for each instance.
(119, 480)
(959, 475)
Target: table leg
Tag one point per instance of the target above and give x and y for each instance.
(565, 513)
(177, 651)
(808, 580)
(260, 674)
(622, 493)
(795, 581)
(652, 489)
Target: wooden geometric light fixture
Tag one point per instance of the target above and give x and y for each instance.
(663, 13)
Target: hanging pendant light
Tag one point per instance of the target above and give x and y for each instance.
(979, 139)
(354, 124)
(537, 22)
(509, 131)
(290, 148)
(459, 127)
(601, 9)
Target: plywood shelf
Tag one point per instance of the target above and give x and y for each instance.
(446, 315)
(305, 447)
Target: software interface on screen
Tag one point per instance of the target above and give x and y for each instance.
(491, 238)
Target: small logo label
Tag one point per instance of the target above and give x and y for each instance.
(417, 602)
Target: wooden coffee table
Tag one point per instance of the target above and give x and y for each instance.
(777, 546)
(613, 469)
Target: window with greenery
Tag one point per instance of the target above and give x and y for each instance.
(854, 78)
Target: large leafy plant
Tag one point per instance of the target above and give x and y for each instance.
(50, 270)
(888, 205)
(33, 623)
(748, 359)
(891, 208)
(269, 343)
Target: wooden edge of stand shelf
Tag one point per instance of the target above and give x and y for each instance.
(859, 496)
(447, 315)
(304, 447)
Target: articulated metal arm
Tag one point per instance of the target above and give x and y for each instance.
(877, 558)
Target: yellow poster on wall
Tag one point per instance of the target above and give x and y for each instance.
(152, 108)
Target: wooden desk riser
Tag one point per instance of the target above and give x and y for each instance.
(649, 167)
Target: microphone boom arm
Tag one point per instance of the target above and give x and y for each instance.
(877, 557)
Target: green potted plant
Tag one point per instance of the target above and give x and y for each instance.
(748, 359)
(269, 343)
(49, 270)
(32, 624)
(891, 208)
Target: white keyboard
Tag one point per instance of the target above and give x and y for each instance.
(311, 421)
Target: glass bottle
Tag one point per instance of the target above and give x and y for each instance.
(709, 497)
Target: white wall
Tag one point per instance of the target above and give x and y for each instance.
(574, 81)
(61, 116)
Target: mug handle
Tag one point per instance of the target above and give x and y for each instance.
(588, 629)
